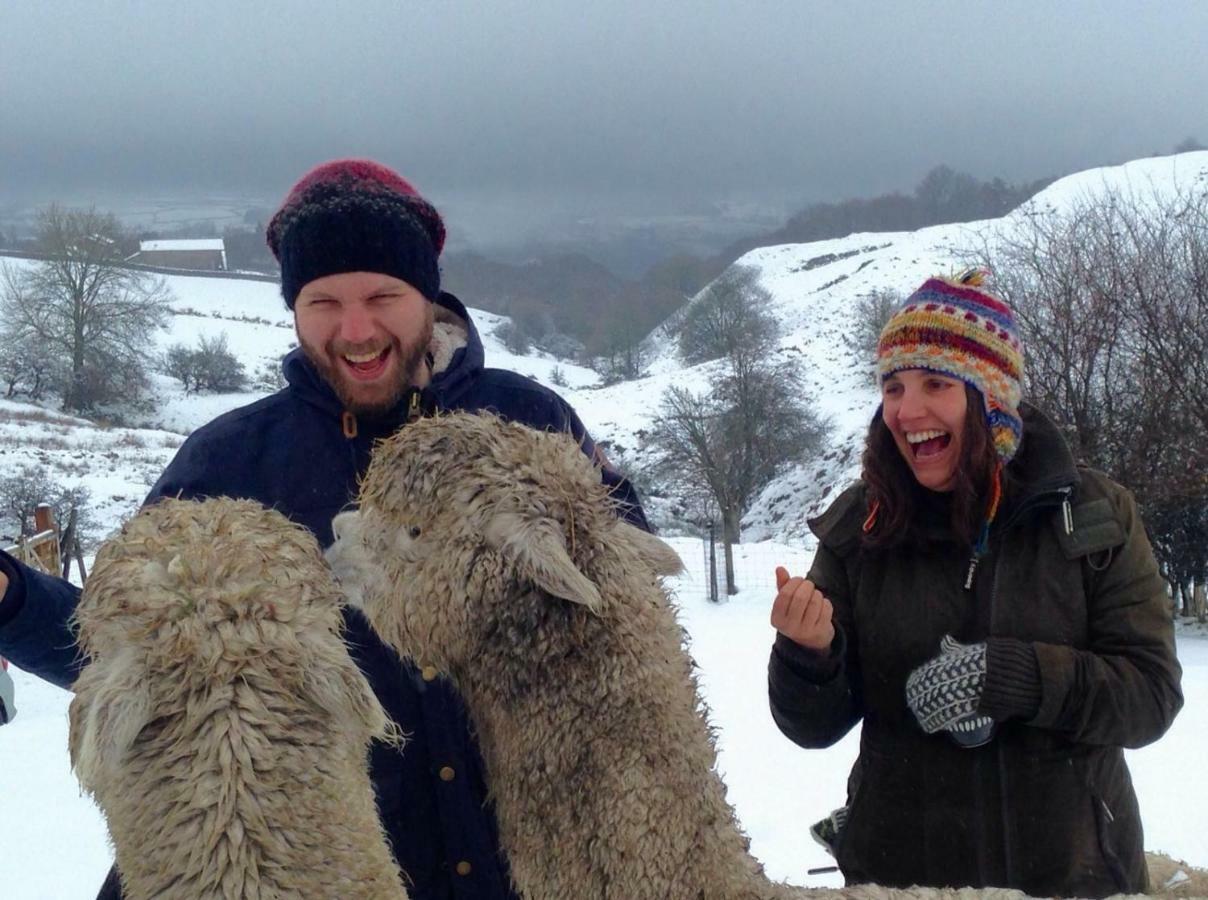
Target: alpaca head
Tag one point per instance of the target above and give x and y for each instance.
(472, 530)
(207, 591)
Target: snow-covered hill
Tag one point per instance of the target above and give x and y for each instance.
(814, 287)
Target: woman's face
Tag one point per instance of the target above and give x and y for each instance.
(925, 412)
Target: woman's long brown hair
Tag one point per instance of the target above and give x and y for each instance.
(893, 490)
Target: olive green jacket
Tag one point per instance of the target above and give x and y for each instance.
(1081, 663)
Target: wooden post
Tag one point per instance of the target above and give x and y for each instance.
(79, 555)
(44, 517)
(66, 540)
(47, 550)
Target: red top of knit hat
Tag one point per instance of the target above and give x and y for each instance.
(362, 170)
(357, 169)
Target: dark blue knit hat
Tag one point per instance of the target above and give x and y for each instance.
(356, 215)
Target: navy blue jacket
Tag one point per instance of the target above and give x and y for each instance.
(290, 452)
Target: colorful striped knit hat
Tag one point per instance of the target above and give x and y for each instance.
(955, 326)
(356, 215)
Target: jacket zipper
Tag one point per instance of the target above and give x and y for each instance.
(1003, 794)
(1067, 518)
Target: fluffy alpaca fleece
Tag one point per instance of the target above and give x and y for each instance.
(1165, 880)
(493, 552)
(221, 725)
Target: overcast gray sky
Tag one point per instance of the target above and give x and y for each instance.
(594, 105)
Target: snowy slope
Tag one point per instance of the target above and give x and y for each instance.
(814, 286)
(53, 845)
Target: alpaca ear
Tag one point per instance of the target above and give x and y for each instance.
(338, 687)
(650, 550)
(538, 550)
(111, 707)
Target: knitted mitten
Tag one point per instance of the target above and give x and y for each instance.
(948, 687)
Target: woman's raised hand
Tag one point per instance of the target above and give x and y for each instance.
(801, 612)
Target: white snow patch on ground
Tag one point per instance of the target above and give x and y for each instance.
(53, 843)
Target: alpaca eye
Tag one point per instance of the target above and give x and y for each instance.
(414, 532)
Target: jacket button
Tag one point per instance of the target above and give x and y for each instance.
(447, 773)
(428, 673)
(464, 868)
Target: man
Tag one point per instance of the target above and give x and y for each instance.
(381, 344)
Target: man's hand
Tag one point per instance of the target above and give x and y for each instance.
(801, 612)
(3, 585)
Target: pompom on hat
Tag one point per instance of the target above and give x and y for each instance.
(957, 327)
(356, 215)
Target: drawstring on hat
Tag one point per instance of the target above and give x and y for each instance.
(871, 521)
(983, 538)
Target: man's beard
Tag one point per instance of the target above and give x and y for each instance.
(410, 357)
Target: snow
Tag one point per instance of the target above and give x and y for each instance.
(52, 841)
(183, 244)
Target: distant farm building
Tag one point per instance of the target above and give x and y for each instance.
(200, 253)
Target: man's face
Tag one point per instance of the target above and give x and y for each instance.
(367, 334)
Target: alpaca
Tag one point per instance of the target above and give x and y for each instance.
(493, 553)
(1174, 878)
(220, 723)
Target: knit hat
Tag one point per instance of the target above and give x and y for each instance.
(356, 215)
(955, 326)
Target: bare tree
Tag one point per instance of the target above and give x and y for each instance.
(210, 366)
(871, 312)
(83, 307)
(1112, 298)
(1064, 276)
(23, 491)
(752, 422)
(729, 320)
(26, 370)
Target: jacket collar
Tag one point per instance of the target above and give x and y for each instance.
(1044, 463)
(1043, 473)
(458, 359)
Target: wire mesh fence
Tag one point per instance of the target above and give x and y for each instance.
(704, 579)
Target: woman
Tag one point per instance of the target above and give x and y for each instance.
(993, 613)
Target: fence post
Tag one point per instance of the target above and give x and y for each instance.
(712, 563)
(48, 551)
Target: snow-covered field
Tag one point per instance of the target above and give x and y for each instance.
(52, 842)
(53, 845)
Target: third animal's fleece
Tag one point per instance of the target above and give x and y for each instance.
(220, 723)
(492, 552)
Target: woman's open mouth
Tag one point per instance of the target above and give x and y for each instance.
(927, 444)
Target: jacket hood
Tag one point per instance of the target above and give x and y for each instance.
(457, 355)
